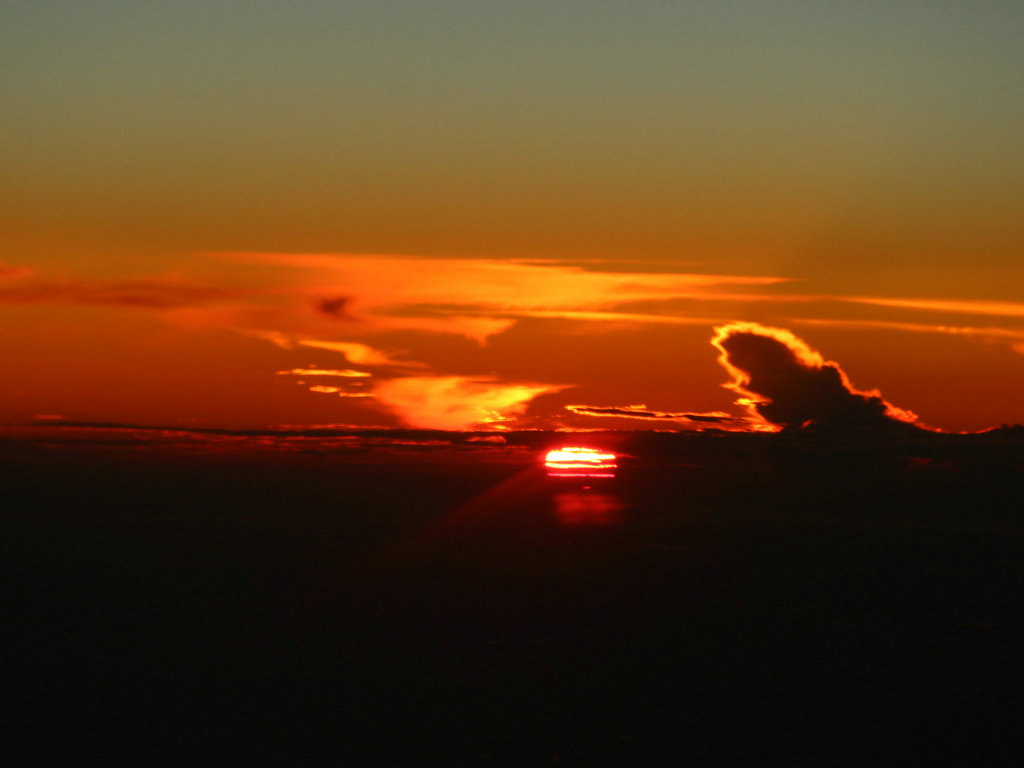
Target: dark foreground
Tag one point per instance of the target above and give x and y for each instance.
(722, 601)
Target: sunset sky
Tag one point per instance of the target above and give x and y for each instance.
(475, 214)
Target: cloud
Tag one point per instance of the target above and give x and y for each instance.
(998, 308)
(476, 328)
(641, 412)
(1012, 336)
(616, 317)
(10, 273)
(785, 383)
(982, 331)
(474, 298)
(380, 281)
(457, 402)
(278, 339)
(325, 372)
(360, 354)
(159, 293)
(336, 307)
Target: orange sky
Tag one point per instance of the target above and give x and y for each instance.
(258, 339)
(498, 210)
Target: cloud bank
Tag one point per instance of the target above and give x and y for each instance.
(395, 323)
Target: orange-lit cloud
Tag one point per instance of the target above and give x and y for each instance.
(341, 299)
(457, 402)
(785, 383)
(988, 333)
(360, 354)
(475, 298)
(159, 293)
(616, 317)
(277, 338)
(349, 374)
(642, 412)
(997, 308)
(402, 322)
(9, 272)
(338, 391)
(478, 329)
(373, 281)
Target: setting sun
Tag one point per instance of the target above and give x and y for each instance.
(580, 462)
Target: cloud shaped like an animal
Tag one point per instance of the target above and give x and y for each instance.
(786, 384)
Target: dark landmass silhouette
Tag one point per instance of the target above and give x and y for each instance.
(326, 597)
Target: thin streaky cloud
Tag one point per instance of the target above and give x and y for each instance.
(278, 339)
(360, 354)
(346, 373)
(9, 272)
(986, 332)
(997, 308)
(377, 281)
(642, 412)
(478, 328)
(155, 293)
(616, 317)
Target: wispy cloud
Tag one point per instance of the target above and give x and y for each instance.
(361, 354)
(475, 298)
(345, 373)
(377, 281)
(10, 272)
(457, 402)
(642, 412)
(145, 293)
(617, 318)
(328, 390)
(991, 333)
(400, 323)
(996, 308)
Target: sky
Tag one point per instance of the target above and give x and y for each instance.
(507, 215)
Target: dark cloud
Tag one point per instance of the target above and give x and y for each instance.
(153, 293)
(785, 383)
(336, 307)
(641, 412)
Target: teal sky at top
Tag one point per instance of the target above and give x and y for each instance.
(857, 143)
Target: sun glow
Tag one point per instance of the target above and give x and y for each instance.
(580, 462)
